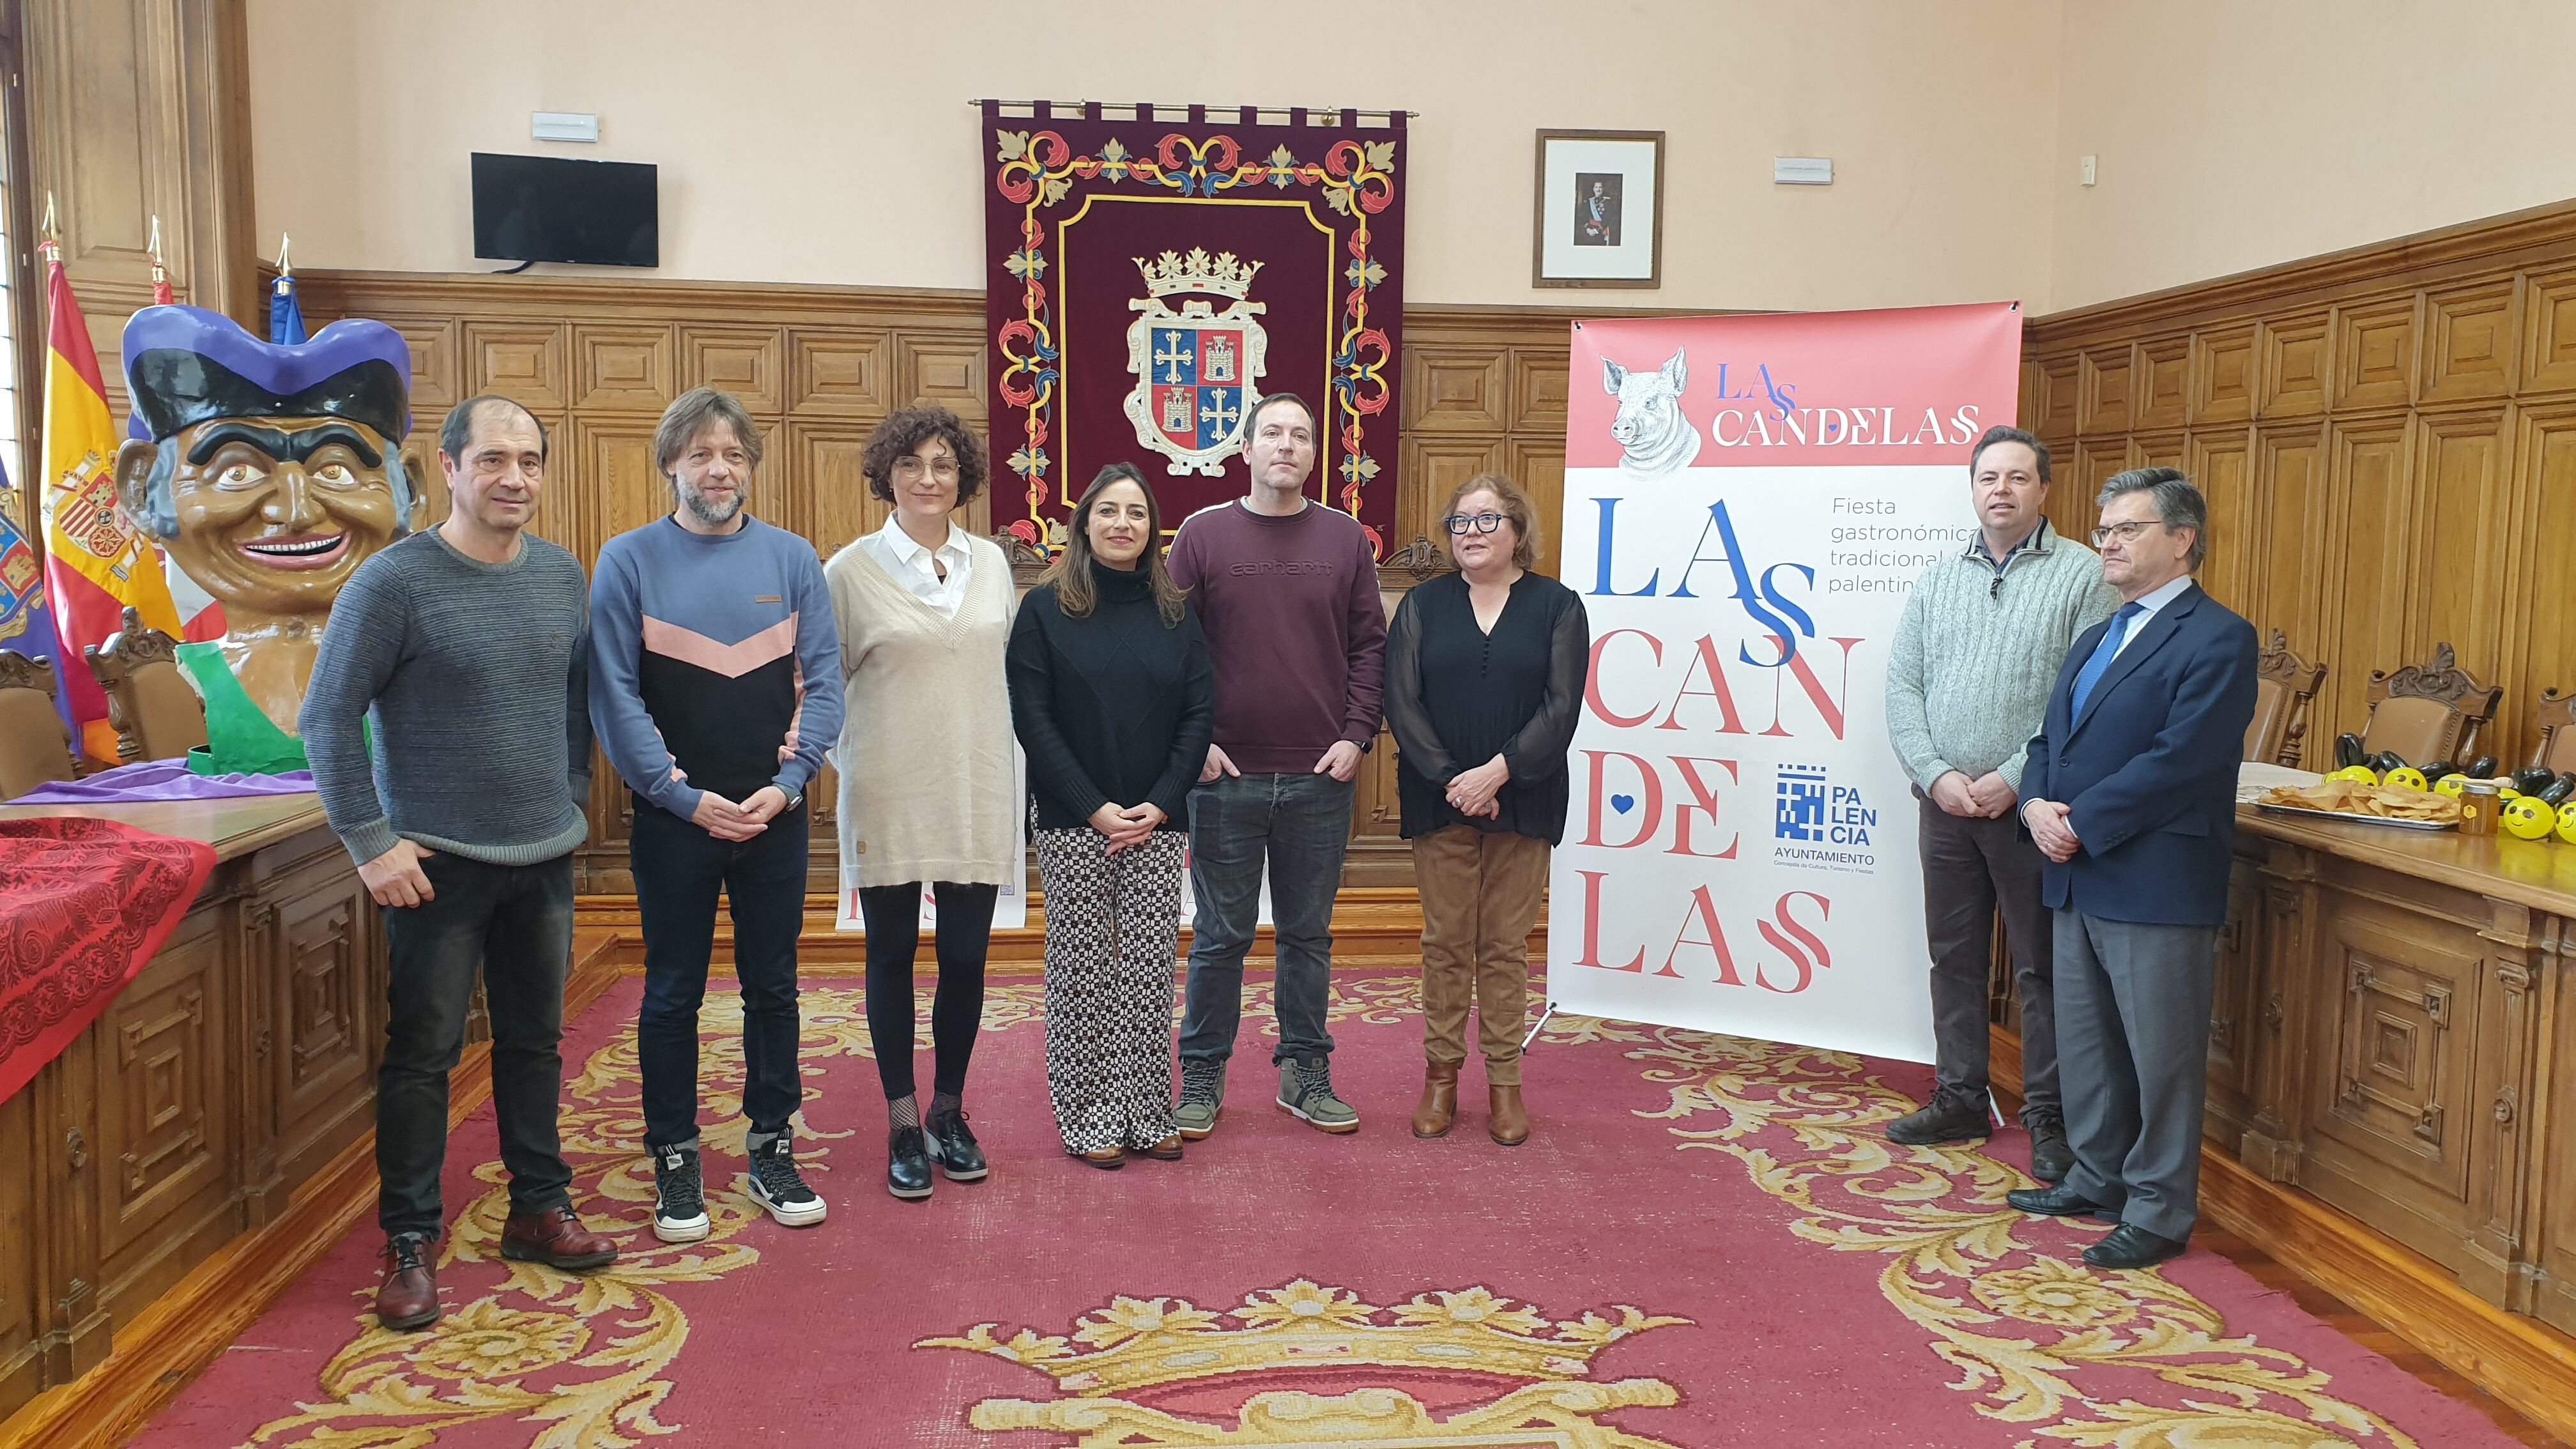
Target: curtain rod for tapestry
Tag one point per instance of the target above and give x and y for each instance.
(1246, 115)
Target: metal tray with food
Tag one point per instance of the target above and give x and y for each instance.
(2356, 817)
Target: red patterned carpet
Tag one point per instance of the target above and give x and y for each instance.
(1705, 1244)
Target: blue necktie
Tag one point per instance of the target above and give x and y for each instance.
(2103, 653)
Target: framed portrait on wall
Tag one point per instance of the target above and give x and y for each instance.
(1600, 208)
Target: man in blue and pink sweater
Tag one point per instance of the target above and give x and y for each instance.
(715, 689)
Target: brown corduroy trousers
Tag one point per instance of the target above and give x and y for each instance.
(1480, 897)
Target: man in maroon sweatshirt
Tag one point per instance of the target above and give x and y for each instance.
(1286, 589)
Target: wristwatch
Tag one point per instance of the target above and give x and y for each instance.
(794, 798)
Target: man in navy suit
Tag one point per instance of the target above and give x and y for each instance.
(2130, 792)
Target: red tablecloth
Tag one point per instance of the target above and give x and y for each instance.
(83, 905)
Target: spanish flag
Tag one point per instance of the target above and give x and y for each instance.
(95, 560)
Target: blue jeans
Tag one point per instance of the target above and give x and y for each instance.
(679, 868)
(1300, 825)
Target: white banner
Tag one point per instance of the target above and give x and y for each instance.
(1748, 501)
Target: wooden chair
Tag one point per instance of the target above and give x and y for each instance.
(2285, 685)
(35, 745)
(2430, 711)
(155, 712)
(2557, 747)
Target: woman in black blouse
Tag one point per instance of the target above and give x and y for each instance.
(1484, 673)
(1114, 701)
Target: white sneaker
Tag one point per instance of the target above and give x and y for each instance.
(775, 1184)
(679, 1196)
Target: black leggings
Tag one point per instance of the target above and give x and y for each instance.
(893, 918)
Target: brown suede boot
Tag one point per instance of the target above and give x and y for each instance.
(556, 1238)
(1439, 1100)
(408, 1298)
(1508, 1120)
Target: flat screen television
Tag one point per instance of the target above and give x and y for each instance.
(550, 209)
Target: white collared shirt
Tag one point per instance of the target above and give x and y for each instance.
(2148, 604)
(909, 564)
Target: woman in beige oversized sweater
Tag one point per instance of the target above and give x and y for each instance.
(927, 782)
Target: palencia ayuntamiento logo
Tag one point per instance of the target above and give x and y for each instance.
(1818, 823)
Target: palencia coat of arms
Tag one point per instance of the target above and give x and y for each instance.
(1195, 368)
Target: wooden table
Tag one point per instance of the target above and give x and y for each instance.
(238, 1062)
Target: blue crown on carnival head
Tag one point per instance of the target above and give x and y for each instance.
(186, 365)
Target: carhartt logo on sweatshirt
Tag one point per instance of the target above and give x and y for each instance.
(1285, 566)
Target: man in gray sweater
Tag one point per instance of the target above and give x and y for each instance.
(1984, 634)
(464, 650)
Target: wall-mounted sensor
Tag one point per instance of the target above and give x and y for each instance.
(1802, 170)
(564, 126)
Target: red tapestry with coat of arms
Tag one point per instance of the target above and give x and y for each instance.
(1148, 278)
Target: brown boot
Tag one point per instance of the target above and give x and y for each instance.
(1439, 1100)
(1508, 1120)
(408, 1298)
(556, 1238)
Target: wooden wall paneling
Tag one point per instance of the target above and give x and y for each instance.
(2163, 383)
(2218, 462)
(2552, 1100)
(1456, 388)
(2374, 354)
(626, 367)
(840, 372)
(2461, 543)
(2057, 394)
(2472, 341)
(2102, 391)
(2541, 637)
(825, 458)
(2394, 1068)
(749, 362)
(944, 370)
(135, 109)
(615, 483)
(166, 1126)
(2160, 450)
(1538, 384)
(2290, 511)
(1431, 468)
(2223, 372)
(522, 361)
(2357, 544)
(1538, 465)
(437, 374)
(2499, 1075)
(2032, 408)
(2549, 330)
(319, 928)
(2296, 364)
(22, 1321)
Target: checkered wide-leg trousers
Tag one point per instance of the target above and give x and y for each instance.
(1113, 925)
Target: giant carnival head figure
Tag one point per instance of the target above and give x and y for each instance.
(268, 472)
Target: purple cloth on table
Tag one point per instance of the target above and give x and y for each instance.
(163, 780)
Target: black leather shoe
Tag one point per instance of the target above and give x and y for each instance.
(1949, 1118)
(2050, 1153)
(2059, 1202)
(954, 1149)
(907, 1165)
(2131, 1246)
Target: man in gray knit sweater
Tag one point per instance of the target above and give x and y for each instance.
(1983, 637)
(465, 650)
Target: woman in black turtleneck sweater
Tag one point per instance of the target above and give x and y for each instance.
(1114, 700)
